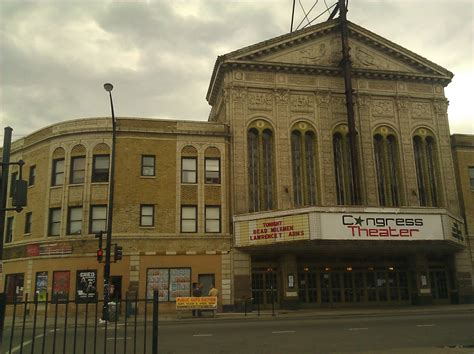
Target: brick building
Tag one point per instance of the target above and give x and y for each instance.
(259, 199)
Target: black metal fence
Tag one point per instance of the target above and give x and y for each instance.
(70, 326)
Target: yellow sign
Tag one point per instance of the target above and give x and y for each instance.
(272, 230)
(196, 303)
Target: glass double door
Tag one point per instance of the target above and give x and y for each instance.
(439, 284)
(265, 289)
(337, 287)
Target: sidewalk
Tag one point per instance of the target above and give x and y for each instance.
(325, 313)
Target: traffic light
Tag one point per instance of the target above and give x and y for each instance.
(100, 255)
(118, 253)
(100, 251)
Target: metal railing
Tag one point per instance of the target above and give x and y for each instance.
(53, 325)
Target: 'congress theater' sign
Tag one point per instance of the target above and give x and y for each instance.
(370, 226)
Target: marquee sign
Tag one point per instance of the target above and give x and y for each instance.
(372, 226)
(272, 230)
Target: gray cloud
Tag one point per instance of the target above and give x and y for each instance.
(55, 56)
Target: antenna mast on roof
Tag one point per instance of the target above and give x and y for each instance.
(306, 14)
(339, 6)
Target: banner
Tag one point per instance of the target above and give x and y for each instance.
(196, 303)
(272, 230)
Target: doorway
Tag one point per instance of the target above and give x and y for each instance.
(206, 281)
(265, 288)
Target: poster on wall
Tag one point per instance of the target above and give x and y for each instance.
(86, 285)
(41, 285)
(180, 283)
(61, 282)
(157, 279)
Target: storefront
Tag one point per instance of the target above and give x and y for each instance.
(356, 258)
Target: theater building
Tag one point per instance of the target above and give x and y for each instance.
(260, 199)
(300, 236)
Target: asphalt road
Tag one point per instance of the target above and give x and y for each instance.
(427, 333)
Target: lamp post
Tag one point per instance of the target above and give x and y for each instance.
(105, 314)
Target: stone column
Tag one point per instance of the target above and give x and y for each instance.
(420, 281)
(464, 277)
(242, 281)
(326, 159)
(289, 275)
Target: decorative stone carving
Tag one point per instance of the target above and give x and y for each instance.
(363, 100)
(75, 193)
(325, 53)
(338, 104)
(440, 106)
(239, 92)
(260, 77)
(301, 80)
(382, 85)
(55, 196)
(260, 101)
(238, 75)
(301, 103)
(416, 87)
(402, 103)
(281, 95)
(382, 108)
(362, 57)
(421, 110)
(323, 99)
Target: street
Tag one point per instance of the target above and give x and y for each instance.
(417, 333)
(362, 334)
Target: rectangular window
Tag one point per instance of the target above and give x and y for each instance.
(188, 170)
(169, 282)
(14, 284)
(100, 170)
(58, 172)
(78, 169)
(74, 221)
(61, 282)
(148, 165)
(188, 218)
(471, 177)
(32, 175)
(98, 219)
(213, 167)
(147, 215)
(54, 221)
(213, 219)
(28, 222)
(13, 179)
(9, 230)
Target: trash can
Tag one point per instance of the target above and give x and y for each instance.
(112, 312)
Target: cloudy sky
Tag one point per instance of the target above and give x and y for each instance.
(55, 56)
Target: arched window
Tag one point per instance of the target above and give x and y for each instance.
(260, 168)
(304, 166)
(386, 165)
(343, 167)
(425, 151)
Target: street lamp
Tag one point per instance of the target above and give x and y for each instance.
(105, 314)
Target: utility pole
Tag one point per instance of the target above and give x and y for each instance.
(7, 142)
(346, 66)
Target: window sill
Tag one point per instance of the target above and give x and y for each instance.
(99, 183)
(148, 177)
(27, 234)
(31, 186)
(213, 184)
(77, 184)
(147, 227)
(189, 183)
